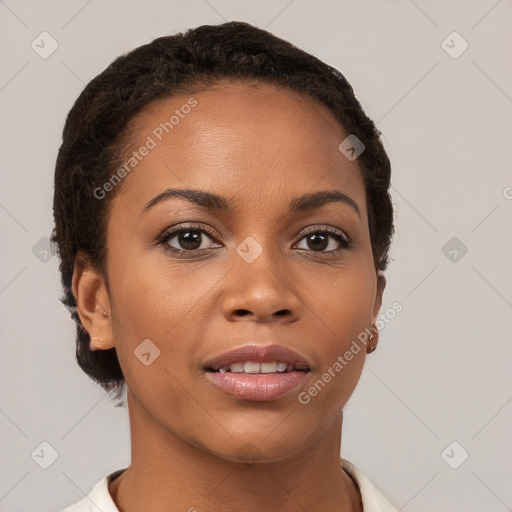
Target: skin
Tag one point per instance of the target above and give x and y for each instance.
(258, 146)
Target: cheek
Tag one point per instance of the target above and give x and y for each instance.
(328, 392)
(342, 302)
(343, 309)
(168, 305)
(165, 303)
(341, 360)
(154, 296)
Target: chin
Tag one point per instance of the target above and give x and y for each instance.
(260, 448)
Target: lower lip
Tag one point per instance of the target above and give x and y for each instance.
(257, 387)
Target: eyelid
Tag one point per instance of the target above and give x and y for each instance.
(325, 228)
(174, 230)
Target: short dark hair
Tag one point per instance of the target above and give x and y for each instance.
(95, 130)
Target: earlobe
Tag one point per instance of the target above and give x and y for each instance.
(374, 336)
(93, 303)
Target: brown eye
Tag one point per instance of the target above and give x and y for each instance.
(187, 239)
(326, 240)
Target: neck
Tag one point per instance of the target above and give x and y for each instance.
(167, 473)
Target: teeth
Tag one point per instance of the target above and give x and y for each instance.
(237, 368)
(268, 367)
(250, 367)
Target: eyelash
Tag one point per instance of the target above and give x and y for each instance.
(163, 239)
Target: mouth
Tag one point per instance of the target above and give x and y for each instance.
(253, 367)
(257, 372)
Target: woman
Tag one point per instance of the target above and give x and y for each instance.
(223, 219)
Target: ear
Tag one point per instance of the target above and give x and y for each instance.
(93, 303)
(381, 284)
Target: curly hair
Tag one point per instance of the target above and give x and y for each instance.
(97, 127)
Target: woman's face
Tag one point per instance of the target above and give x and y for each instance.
(246, 271)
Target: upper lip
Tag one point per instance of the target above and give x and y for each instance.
(257, 353)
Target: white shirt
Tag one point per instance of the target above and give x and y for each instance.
(100, 499)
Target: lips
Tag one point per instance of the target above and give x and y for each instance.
(257, 372)
(263, 355)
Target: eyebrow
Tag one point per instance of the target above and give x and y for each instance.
(215, 202)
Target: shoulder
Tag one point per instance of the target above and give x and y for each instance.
(373, 500)
(98, 499)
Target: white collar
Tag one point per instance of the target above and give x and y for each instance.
(373, 500)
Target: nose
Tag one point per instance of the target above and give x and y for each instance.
(261, 291)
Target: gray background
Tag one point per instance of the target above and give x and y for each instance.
(442, 369)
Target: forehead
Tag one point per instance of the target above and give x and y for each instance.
(248, 141)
